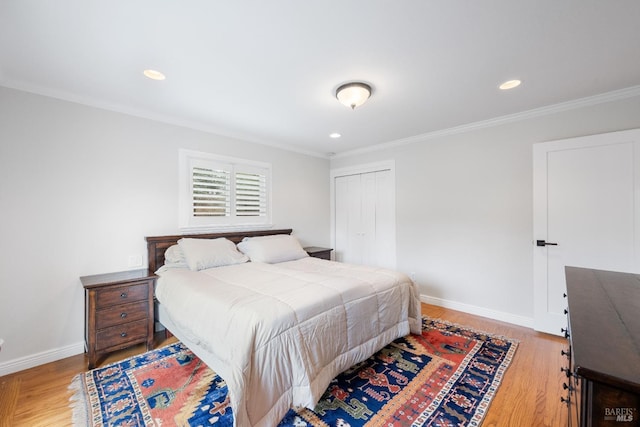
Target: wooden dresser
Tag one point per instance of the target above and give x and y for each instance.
(604, 357)
(118, 311)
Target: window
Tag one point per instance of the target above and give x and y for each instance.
(220, 191)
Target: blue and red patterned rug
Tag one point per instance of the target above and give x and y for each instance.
(445, 377)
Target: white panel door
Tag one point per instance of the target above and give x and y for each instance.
(367, 230)
(384, 244)
(587, 213)
(348, 231)
(365, 219)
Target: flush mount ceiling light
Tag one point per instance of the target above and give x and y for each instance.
(353, 94)
(335, 135)
(510, 84)
(153, 74)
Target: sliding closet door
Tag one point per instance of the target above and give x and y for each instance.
(348, 203)
(365, 219)
(385, 230)
(368, 218)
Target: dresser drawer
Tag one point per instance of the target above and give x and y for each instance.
(108, 297)
(121, 334)
(123, 313)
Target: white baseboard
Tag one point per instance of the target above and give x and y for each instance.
(37, 359)
(26, 362)
(479, 311)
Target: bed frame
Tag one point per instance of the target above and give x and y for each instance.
(401, 326)
(157, 245)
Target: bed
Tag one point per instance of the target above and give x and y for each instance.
(277, 332)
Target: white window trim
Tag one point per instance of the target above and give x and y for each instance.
(185, 218)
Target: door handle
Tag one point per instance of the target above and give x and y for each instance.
(543, 243)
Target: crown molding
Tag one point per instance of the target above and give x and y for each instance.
(171, 120)
(498, 121)
(148, 115)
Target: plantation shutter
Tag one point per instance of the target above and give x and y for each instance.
(211, 189)
(219, 191)
(250, 192)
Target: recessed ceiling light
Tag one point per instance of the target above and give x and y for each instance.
(510, 84)
(154, 75)
(334, 135)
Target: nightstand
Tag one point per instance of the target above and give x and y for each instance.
(118, 311)
(316, 252)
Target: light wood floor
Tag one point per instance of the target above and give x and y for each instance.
(529, 394)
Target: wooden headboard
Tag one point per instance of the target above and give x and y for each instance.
(157, 245)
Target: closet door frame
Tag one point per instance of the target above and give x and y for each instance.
(387, 165)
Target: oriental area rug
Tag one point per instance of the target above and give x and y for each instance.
(445, 377)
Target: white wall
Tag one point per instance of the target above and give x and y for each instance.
(464, 207)
(81, 187)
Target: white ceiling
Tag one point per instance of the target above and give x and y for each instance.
(266, 71)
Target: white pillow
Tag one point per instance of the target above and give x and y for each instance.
(272, 249)
(173, 255)
(209, 253)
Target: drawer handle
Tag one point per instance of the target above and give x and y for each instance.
(124, 334)
(123, 315)
(123, 295)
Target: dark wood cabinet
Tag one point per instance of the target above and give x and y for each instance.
(317, 252)
(604, 336)
(118, 311)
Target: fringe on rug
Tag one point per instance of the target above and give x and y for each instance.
(79, 402)
(515, 341)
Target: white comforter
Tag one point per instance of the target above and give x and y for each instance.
(278, 333)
